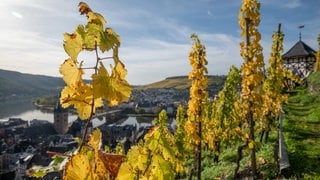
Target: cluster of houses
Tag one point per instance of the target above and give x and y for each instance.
(24, 144)
(152, 101)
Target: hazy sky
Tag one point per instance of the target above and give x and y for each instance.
(155, 34)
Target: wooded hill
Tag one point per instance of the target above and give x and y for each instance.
(14, 85)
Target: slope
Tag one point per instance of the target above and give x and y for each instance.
(182, 82)
(18, 85)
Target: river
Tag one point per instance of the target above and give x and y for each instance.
(25, 110)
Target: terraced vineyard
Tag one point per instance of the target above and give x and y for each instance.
(302, 134)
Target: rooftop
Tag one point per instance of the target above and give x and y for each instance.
(299, 49)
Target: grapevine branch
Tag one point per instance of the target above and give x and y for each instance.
(92, 105)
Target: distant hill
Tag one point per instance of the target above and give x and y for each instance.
(15, 85)
(182, 82)
(18, 85)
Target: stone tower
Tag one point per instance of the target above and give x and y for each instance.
(60, 121)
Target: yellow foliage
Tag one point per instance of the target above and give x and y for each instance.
(92, 163)
(78, 167)
(251, 145)
(114, 88)
(72, 74)
(81, 97)
(84, 97)
(72, 44)
(198, 93)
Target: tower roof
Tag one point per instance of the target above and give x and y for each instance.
(59, 108)
(299, 49)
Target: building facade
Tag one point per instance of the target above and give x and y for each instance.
(300, 59)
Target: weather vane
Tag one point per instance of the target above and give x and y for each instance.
(300, 27)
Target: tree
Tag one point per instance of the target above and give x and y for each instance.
(273, 85)
(251, 72)
(222, 128)
(198, 99)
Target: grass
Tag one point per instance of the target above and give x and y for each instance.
(301, 129)
(224, 169)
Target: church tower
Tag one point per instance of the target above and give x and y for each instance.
(60, 121)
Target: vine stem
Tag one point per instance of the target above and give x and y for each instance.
(92, 105)
(250, 114)
(105, 58)
(57, 153)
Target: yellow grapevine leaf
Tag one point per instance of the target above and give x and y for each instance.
(93, 17)
(101, 82)
(125, 172)
(82, 166)
(81, 97)
(95, 142)
(95, 139)
(251, 145)
(120, 84)
(114, 88)
(92, 36)
(109, 39)
(96, 18)
(72, 75)
(72, 44)
(78, 167)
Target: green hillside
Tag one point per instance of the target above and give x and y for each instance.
(182, 82)
(301, 129)
(18, 85)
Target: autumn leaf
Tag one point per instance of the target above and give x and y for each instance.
(114, 88)
(78, 167)
(251, 145)
(96, 18)
(81, 97)
(72, 75)
(95, 139)
(84, 8)
(72, 44)
(109, 40)
(112, 162)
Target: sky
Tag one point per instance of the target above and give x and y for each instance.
(155, 34)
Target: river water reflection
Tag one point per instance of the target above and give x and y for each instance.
(26, 111)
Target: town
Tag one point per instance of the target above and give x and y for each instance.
(27, 143)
